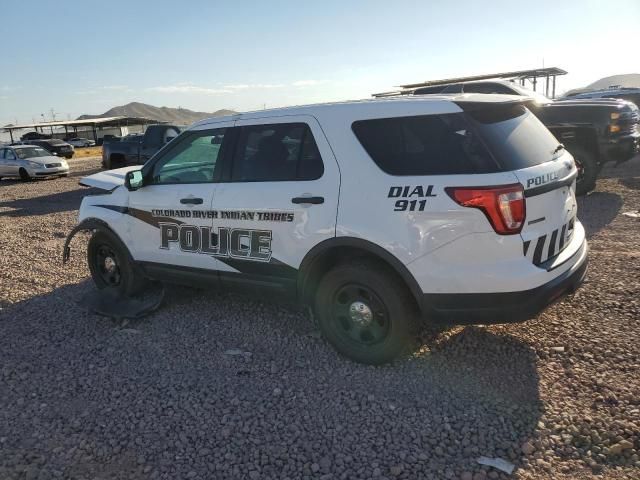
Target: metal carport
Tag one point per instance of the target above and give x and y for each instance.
(93, 123)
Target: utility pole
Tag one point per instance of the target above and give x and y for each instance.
(53, 114)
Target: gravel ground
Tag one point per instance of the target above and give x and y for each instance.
(85, 398)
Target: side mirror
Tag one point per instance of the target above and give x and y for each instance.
(133, 180)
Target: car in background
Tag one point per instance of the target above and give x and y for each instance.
(55, 146)
(81, 142)
(108, 138)
(34, 136)
(594, 130)
(622, 93)
(136, 149)
(30, 161)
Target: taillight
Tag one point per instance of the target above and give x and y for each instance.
(504, 206)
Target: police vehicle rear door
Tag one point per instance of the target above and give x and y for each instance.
(172, 217)
(278, 199)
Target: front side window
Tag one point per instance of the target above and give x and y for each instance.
(9, 155)
(276, 152)
(192, 159)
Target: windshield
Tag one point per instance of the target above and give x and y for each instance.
(31, 152)
(515, 136)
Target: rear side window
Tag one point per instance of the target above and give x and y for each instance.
(514, 135)
(424, 145)
(276, 152)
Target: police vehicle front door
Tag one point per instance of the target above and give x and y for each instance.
(278, 199)
(172, 214)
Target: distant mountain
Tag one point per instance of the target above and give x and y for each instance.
(178, 116)
(628, 80)
(631, 80)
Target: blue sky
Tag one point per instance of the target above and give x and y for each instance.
(85, 57)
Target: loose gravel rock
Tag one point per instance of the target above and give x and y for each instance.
(83, 397)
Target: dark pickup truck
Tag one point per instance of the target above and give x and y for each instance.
(137, 149)
(595, 131)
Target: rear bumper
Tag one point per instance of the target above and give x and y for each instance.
(506, 307)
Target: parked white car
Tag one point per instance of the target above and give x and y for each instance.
(81, 142)
(374, 213)
(30, 161)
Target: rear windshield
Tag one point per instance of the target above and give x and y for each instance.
(486, 140)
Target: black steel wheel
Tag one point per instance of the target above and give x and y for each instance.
(111, 265)
(365, 311)
(360, 314)
(106, 264)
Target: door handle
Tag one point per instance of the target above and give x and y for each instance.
(311, 200)
(191, 201)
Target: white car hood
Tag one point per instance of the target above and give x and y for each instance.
(109, 179)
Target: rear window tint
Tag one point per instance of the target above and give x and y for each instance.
(424, 145)
(515, 136)
(489, 138)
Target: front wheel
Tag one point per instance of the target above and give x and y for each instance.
(111, 266)
(365, 312)
(587, 169)
(24, 175)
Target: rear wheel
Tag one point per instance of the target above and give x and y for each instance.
(587, 169)
(111, 266)
(24, 175)
(365, 312)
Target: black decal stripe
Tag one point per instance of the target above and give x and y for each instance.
(141, 215)
(526, 247)
(563, 233)
(273, 268)
(115, 208)
(146, 217)
(537, 254)
(548, 187)
(552, 243)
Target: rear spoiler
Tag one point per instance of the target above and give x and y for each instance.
(474, 105)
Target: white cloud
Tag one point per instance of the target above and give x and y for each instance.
(182, 88)
(256, 86)
(305, 83)
(3, 97)
(115, 87)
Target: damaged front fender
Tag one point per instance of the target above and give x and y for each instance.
(88, 224)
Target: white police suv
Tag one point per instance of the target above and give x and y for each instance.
(374, 212)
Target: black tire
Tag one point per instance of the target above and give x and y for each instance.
(24, 175)
(116, 161)
(587, 169)
(376, 333)
(111, 265)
